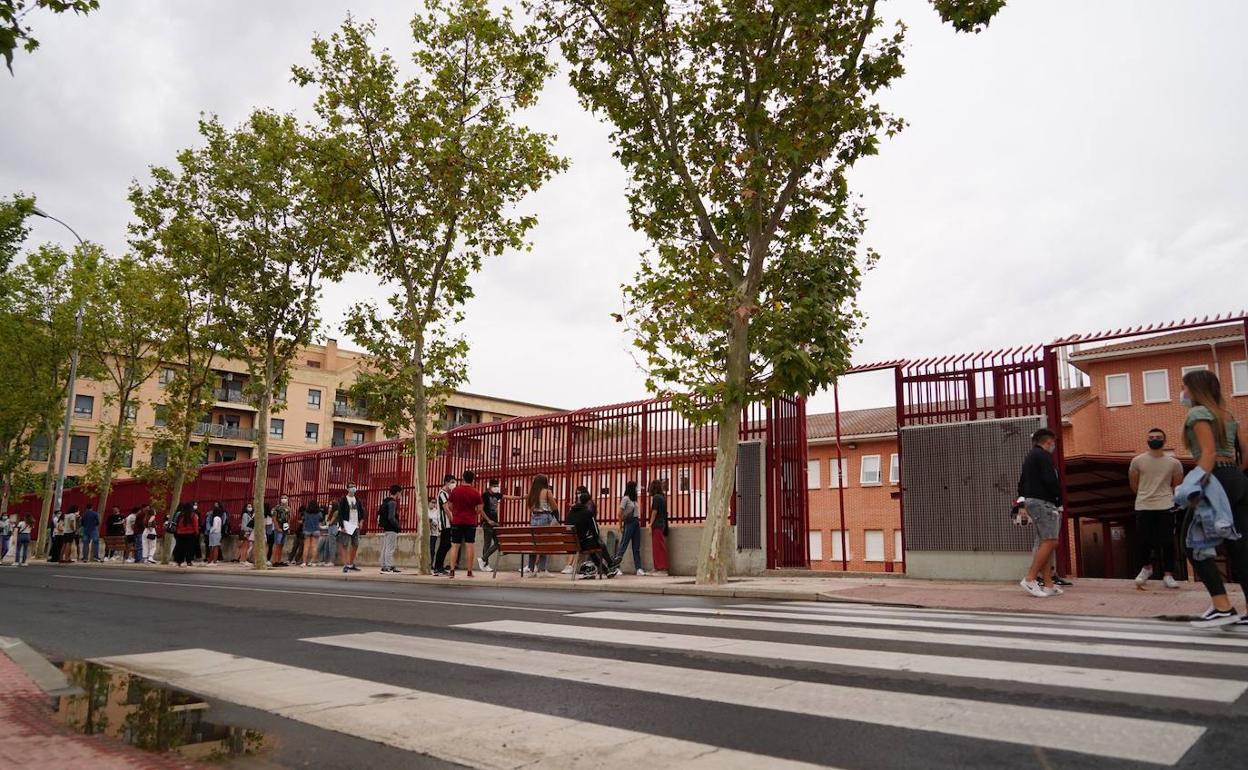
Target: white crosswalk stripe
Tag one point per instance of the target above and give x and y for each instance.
(449, 728)
(987, 616)
(1131, 739)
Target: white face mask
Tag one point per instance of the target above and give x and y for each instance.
(1185, 399)
(350, 491)
(285, 500)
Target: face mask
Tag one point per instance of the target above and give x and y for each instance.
(1185, 400)
(1156, 443)
(285, 500)
(1050, 448)
(351, 491)
(494, 490)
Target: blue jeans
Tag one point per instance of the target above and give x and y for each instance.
(23, 548)
(4, 546)
(631, 533)
(91, 542)
(540, 519)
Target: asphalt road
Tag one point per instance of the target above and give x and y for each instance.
(369, 675)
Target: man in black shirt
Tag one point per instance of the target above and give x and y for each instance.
(1040, 497)
(492, 500)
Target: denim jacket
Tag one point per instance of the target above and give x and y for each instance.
(1209, 511)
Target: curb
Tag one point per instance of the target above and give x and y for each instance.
(47, 677)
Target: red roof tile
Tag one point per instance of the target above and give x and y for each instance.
(1192, 336)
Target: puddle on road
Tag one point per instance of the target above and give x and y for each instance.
(157, 718)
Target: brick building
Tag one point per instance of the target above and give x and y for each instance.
(1118, 393)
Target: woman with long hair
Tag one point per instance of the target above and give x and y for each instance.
(186, 534)
(1210, 434)
(630, 527)
(543, 512)
(658, 526)
(216, 521)
(311, 534)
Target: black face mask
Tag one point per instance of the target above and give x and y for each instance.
(1156, 443)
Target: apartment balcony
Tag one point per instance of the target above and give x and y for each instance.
(225, 433)
(356, 414)
(346, 442)
(445, 425)
(229, 398)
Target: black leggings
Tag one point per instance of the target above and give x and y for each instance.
(184, 547)
(1235, 483)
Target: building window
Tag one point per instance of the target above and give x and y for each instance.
(277, 428)
(162, 416)
(870, 473)
(160, 459)
(79, 446)
(839, 475)
(125, 458)
(132, 412)
(314, 364)
(897, 546)
(84, 406)
(279, 396)
(357, 437)
(816, 544)
(165, 377)
(836, 536)
(312, 432)
(314, 398)
(1197, 368)
(1118, 390)
(812, 473)
(39, 448)
(1156, 386)
(1239, 378)
(682, 479)
(874, 545)
(894, 469)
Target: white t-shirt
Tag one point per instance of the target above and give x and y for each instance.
(214, 526)
(130, 524)
(353, 515)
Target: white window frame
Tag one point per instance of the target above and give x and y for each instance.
(866, 548)
(898, 546)
(838, 480)
(835, 550)
(862, 471)
(815, 544)
(812, 473)
(1239, 378)
(684, 480)
(277, 427)
(1124, 376)
(1165, 373)
(894, 469)
(1193, 368)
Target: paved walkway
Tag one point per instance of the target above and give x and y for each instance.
(29, 738)
(1090, 596)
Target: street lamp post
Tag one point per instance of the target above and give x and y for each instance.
(63, 460)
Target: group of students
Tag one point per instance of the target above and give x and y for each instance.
(1211, 501)
(460, 508)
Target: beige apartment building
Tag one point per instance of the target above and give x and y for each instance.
(318, 413)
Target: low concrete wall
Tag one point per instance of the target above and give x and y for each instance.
(967, 565)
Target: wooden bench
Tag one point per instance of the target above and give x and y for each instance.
(541, 541)
(112, 543)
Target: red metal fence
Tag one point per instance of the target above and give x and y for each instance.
(599, 448)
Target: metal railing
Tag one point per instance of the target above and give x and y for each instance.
(346, 442)
(225, 431)
(347, 410)
(230, 395)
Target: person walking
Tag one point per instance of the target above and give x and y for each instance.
(90, 535)
(444, 524)
(1210, 434)
(186, 533)
(311, 534)
(388, 521)
(350, 518)
(1040, 497)
(492, 499)
(467, 507)
(630, 527)
(658, 526)
(21, 553)
(543, 512)
(1153, 476)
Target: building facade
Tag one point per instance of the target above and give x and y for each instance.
(318, 413)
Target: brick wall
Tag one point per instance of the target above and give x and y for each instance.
(868, 508)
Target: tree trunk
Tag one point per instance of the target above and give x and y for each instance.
(49, 489)
(259, 552)
(715, 552)
(420, 452)
(175, 498)
(4, 496)
(110, 462)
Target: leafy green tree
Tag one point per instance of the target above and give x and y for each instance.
(738, 122)
(436, 165)
(13, 227)
(13, 31)
(131, 316)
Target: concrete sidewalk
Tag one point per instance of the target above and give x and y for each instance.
(1114, 598)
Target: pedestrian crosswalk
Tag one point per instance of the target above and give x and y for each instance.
(804, 660)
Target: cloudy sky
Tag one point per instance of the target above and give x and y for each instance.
(1080, 165)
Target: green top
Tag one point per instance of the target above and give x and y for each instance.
(1225, 443)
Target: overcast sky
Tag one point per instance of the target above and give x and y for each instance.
(1080, 165)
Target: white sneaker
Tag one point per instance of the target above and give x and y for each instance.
(481, 565)
(641, 573)
(566, 570)
(1052, 590)
(1033, 588)
(1146, 572)
(486, 568)
(659, 573)
(1170, 582)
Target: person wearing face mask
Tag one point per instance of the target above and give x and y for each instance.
(247, 533)
(1040, 495)
(1153, 476)
(492, 500)
(350, 517)
(281, 525)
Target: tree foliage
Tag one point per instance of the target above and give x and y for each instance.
(15, 32)
(437, 164)
(738, 122)
(13, 227)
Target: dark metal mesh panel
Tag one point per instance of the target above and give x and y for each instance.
(749, 495)
(959, 480)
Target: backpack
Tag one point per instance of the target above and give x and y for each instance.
(225, 526)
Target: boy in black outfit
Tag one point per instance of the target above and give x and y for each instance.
(581, 517)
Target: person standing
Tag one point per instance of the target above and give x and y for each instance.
(543, 512)
(186, 533)
(215, 518)
(388, 521)
(329, 539)
(1153, 476)
(467, 507)
(658, 526)
(128, 553)
(1210, 434)
(90, 535)
(69, 536)
(296, 535)
(113, 527)
(350, 518)
(246, 533)
(630, 527)
(1040, 495)
(444, 524)
(281, 525)
(311, 534)
(492, 500)
(21, 554)
(6, 531)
